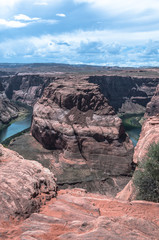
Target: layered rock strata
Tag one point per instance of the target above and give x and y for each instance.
(76, 119)
(26, 88)
(150, 128)
(25, 185)
(8, 110)
(152, 108)
(127, 94)
(75, 214)
(149, 134)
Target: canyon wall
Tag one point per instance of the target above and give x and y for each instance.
(26, 88)
(150, 128)
(8, 110)
(148, 135)
(73, 117)
(23, 88)
(126, 94)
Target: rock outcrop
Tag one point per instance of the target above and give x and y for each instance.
(152, 108)
(150, 128)
(26, 88)
(76, 119)
(25, 185)
(148, 135)
(8, 110)
(127, 94)
(75, 214)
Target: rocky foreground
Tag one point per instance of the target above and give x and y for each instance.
(75, 214)
(90, 150)
(25, 185)
(73, 117)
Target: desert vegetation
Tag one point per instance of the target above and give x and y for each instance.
(146, 178)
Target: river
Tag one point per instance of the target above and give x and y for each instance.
(132, 126)
(21, 125)
(15, 127)
(134, 135)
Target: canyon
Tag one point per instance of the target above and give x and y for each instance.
(86, 154)
(74, 117)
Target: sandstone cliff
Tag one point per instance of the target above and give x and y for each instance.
(148, 135)
(26, 88)
(76, 119)
(8, 110)
(127, 94)
(25, 185)
(152, 108)
(150, 128)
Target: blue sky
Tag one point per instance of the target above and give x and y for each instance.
(97, 32)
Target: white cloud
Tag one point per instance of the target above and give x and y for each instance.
(12, 24)
(88, 47)
(61, 15)
(42, 3)
(9, 3)
(22, 20)
(22, 17)
(120, 6)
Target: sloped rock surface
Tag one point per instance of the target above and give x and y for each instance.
(8, 110)
(150, 128)
(25, 185)
(75, 118)
(75, 214)
(152, 108)
(149, 134)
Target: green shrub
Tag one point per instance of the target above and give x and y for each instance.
(146, 177)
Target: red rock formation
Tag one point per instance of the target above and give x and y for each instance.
(74, 117)
(149, 134)
(8, 110)
(25, 185)
(127, 94)
(26, 88)
(150, 128)
(75, 214)
(152, 108)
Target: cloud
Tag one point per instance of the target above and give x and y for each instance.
(22, 17)
(12, 24)
(22, 20)
(61, 15)
(86, 47)
(41, 3)
(118, 6)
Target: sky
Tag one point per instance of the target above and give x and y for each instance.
(121, 33)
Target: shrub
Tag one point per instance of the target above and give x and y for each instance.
(146, 177)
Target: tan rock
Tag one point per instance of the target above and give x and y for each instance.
(25, 185)
(75, 214)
